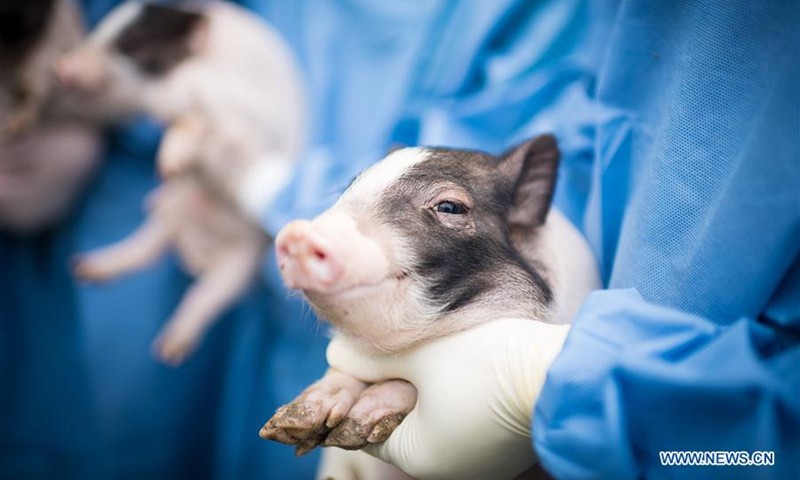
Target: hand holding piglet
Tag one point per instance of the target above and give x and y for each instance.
(477, 390)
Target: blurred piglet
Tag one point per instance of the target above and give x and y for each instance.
(426, 243)
(227, 89)
(33, 33)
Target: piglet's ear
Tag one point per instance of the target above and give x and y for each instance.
(531, 168)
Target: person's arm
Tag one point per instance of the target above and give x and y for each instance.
(696, 205)
(637, 381)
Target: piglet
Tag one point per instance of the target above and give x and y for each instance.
(427, 242)
(228, 91)
(33, 33)
(224, 83)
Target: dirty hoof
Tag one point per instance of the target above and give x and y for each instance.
(375, 415)
(306, 421)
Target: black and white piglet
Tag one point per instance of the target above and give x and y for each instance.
(226, 87)
(428, 242)
(225, 84)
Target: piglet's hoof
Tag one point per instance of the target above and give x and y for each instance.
(298, 423)
(375, 415)
(306, 421)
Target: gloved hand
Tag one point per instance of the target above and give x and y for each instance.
(215, 243)
(340, 464)
(476, 392)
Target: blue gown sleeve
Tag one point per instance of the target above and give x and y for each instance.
(694, 212)
(636, 379)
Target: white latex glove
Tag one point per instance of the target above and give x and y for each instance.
(476, 392)
(338, 464)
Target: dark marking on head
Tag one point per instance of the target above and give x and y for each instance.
(22, 24)
(459, 265)
(159, 38)
(457, 270)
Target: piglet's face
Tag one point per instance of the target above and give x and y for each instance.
(135, 45)
(418, 245)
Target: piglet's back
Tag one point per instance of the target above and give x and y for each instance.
(249, 68)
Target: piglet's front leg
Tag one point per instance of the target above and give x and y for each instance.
(341, 411)
(306, 421)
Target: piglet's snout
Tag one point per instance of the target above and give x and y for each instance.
(306, 258)
(328, 255)
(82, 69)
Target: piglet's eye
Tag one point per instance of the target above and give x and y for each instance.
(450, 208)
